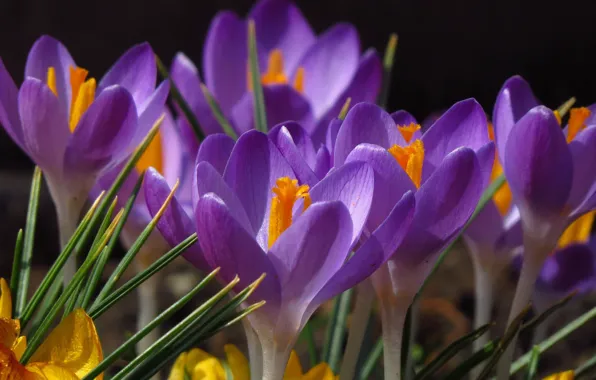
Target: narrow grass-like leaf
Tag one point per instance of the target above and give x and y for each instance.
(38, 335)
(509, 337)
(134, 249)
(104, 224)
(585, 369)
(453, 349)
(533, 365)
(308, 335)
(554, 339)
(159, 346)
(260, 114)
(132, 284)
(54, 273)
(332, 319)
(388, 61)
(236, 317)
(339, 331)
(344, 109)
(179, 99)
(71, 303)
(20, 297)
(532, 323)
(165, 315)
(471, 362)
(17, 258)
(371, 362)
(218, 113)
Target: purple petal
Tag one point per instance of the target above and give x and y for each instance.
(308, 254)
(583, 153)
(149, 112)
(176, 162)
(136, 71)
(331, 134)
(9, 107)
(323, 162)
(48, 52)
(216, 150)
(175, 225)
(329, 66)
(353, 185)
(391, 181)
(301, 139)
(254, 166)
(487, 227)
(207, 180)
(284, 142)
(282, 103)
(515, 99)
(365, 123)
(364, 87)
(402, 117)
(45, 125)
(443, 206)
(281, 25)
(225, 58)
(103, 134)
(571, 268)
(463, 125)
(538, 165)
(227, 245)
(186, 77)
(376, 251)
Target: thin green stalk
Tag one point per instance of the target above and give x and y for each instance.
(331, 321)
(310, 343)
(339, 330)
(373, 359)
(471, 362)
(255, 79)
(16, 263)
(218, 113)
(388, 62)
(533, 365)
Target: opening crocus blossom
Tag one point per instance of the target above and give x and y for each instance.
(306, 78)
(306, 258)
(70, 351)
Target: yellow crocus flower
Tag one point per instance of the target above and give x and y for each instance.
(69, 352)
(566, 375)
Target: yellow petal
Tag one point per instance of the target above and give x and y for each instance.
(177, 371)
(209, 369)
(567, 375)
(10, 368)
(293, 369)
(72, 345)
(5, 300)
(9, 331)
(237, 362)
(19, 346)
(49, 371)
(319, 372)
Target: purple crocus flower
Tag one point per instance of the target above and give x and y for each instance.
(550, 175)
(448, 168)
(73, 129)
(253, 216)
(306, 78)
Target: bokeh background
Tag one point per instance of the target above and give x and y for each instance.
(448, 50)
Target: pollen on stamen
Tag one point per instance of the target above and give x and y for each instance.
(287, 192)
(411, 159)
(51, 80)
(408, 131)
(299, 80)
(577, 121)
(275, 69)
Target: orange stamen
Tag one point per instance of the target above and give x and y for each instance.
(411, 159)
(287, 192)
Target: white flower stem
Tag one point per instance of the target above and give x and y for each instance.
(393, 316)
(275, 360)
(534, 256)
(358, 324)
(483, 290)
(255, 352)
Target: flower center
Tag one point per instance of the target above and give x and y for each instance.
(152, 156)
(410, 158)
(287, 192)
(577, 122)
(82, 92)
(275, 72)
(407, 131)
(578, 232)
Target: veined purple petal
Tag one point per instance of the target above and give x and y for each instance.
(227, 245)
(254, 166)
(329, 66)
(364, 87)
(391, 181)
(225, 58)
(9, 107)
(331, 135)
(463, 125)
(103, 134)
(365, 123)
(216, 150)
(282, 103)
(376, 251)
(583, 153)
(515, 99)
(353, 185)
(284, 142)
(281, 25)
(323, 162)
(44, 123)
(537, 154)
(402, 117)
(135, 70)
(186, 77)
(207, 180)
(308, 254)
(301, 139)
(175, 225)
(149, 112)
(48, 52)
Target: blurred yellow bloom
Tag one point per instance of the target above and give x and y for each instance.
(70, 351)
(567, 375)
(196, 364)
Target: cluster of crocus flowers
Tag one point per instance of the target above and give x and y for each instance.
(306, 78)
(70, 351)
(196, 364)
